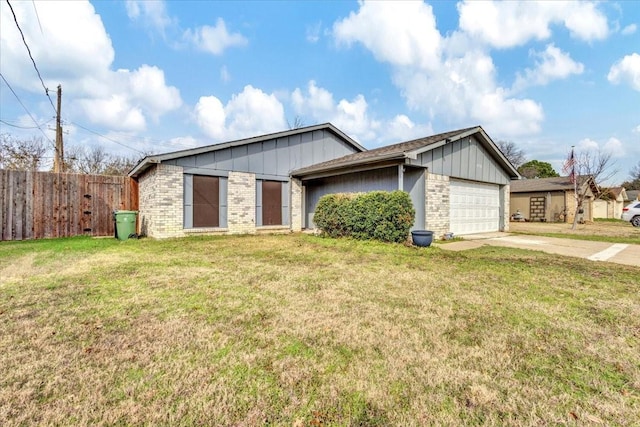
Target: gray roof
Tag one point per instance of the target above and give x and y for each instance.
(159, 158)
(561, 183)
(401, 151)
(633, 195)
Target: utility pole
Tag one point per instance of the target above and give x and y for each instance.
(58, 160)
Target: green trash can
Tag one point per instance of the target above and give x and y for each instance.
(125, 224)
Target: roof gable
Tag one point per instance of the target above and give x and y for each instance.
(560, 183)
(406, 150)
(154, 159)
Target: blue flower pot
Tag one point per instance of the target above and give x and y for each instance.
(422, 238)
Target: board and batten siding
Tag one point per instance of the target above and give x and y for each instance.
(385, 179)
(272, 159)
(467, 159)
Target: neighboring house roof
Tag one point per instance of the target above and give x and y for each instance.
(560, 183)
(145, 163)
(404, 150)
(613, 193)
(633, 195)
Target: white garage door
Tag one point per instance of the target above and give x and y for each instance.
(474, 207)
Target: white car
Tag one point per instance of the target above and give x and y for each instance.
(631, 213)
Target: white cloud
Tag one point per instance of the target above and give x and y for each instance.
(75, 50)
(615, 147)
(249, 113)
(439, 77)
(588, 144)
(73, 43)
(612, 146)
(214, 39)
(350, 116)
(509, 24)
(149, 89)
(402, 33)
(629, 30)
(152, 14)
(353, 117)
(401, 128)
(627, 71)
(637, 129)
(463, 90)
(318, 102)
(115, 111)
(552, 64)
(211, 117)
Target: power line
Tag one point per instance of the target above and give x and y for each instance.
(25, 109)
(46, 91)
(25, 127)
(106, 137)
(35, 9)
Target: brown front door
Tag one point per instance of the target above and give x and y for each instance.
(271, 203)
(206, 201)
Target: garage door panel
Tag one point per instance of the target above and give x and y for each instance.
(474, 207)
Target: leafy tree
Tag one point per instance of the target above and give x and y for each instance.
(537, 169)
(22, 154)
(634, 182)
(511, 151)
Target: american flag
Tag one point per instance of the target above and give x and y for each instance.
(570, 167)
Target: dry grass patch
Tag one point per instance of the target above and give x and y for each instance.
(300, 330)
(607, 230)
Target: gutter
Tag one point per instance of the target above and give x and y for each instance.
(306, 172)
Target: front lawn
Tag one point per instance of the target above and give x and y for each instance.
(611, 230)
(301, 330)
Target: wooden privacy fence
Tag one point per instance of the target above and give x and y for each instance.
(36, 205)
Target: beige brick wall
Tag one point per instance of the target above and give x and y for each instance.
(160, 201)
(437, 204)
(296, 205)
(505, 198)
(241, 204)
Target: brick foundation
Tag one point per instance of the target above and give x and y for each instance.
(296, 205)
(437, 204)
(241, 205)
(161, 208)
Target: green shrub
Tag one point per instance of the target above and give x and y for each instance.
(380, 215)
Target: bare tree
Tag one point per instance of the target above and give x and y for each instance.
(587, 172)
(634, 182)
(298, 123)
(511, 151)
(22, 154)
(96, 160)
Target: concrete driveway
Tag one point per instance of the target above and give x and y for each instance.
(595, 251)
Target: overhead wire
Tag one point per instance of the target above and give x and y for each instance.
(35, 9)
(26, 127)
(46, 90)
(26, 109)
(106, 137)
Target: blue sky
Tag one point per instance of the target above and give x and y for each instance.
(156, 76)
